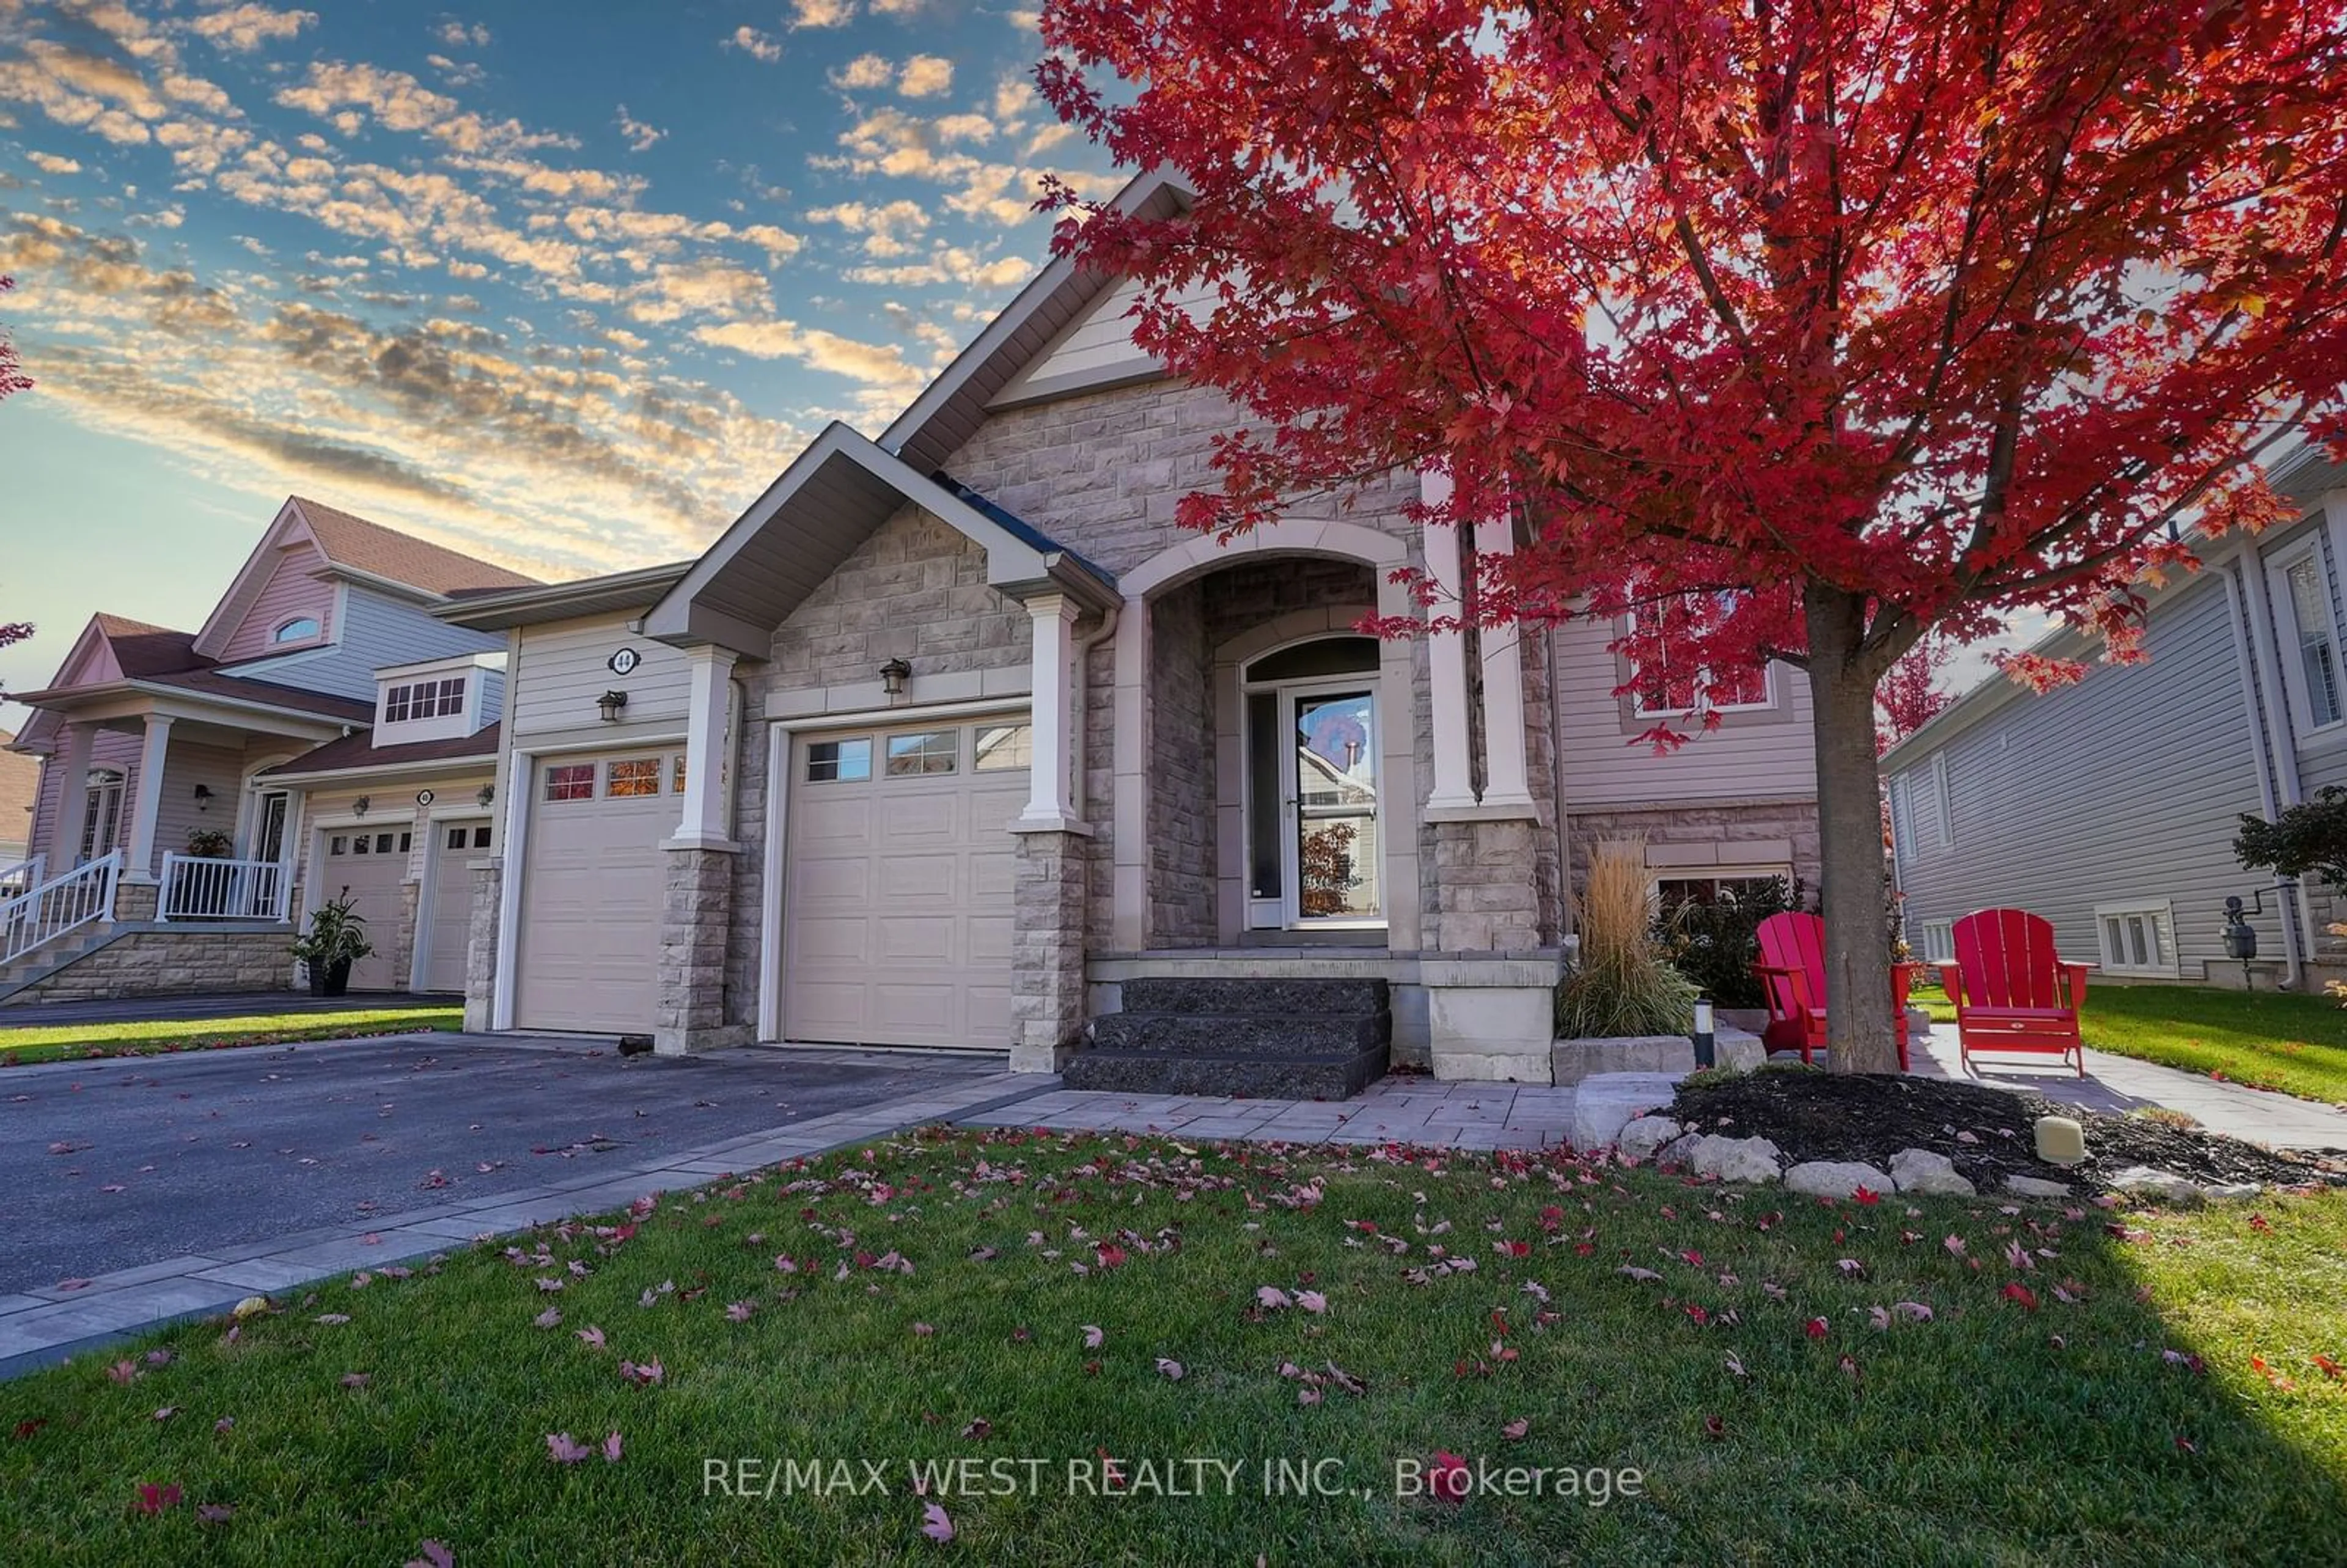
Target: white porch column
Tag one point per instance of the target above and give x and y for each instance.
(1506, 782)
(706, 776)
(1049, 796)
(138, 855)
(1446, 659)
(73, 798)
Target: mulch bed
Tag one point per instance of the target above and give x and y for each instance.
(1988, 1133)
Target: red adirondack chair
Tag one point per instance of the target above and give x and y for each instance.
(2011, 993)
(1792, 973)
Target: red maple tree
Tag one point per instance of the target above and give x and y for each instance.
(1835, 322)
(1911, 692)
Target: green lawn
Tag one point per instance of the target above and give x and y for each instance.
(2296, 1044)
(153, 1038)
(2161, 1396)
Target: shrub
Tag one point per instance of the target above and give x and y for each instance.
(1713, 944)
(2309, 836)
(1622, 985)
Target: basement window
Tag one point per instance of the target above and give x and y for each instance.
(2138, 940)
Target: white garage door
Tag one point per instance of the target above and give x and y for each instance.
(588, 947)
(371, 863)
(897, 908)
(455, 845)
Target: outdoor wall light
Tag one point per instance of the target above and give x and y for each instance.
(203, 797)
(359, 806)
(489, 793)
(612, 704)
(893, 676)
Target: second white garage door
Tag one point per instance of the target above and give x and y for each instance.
(898, 904)
(588, 955)
(455, 845)
(369, 865)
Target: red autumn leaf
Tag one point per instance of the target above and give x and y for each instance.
(1867, 1196)
(2016, 1291)
(1815, 1328)
(1447, 1478)
(1714, 1428)
(1109, 1253)
(154, 1499)
(2331, 1368)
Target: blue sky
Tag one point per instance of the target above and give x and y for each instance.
(561, 285)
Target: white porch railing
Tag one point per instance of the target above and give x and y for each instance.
(59, 907)
(196, 888)
(23, 876)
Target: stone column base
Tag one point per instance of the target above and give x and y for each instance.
(1047, 953)
(696, 913)
(481, 944)
(1491, 1019)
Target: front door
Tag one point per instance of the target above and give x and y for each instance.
(269, 849)
(1329, 779)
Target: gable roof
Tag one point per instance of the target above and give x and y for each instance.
(501, 609)
(343, 542)
(141, 649)
(139, 654)
(357, 753)
(826, 503)
(361, 545)
(945, 415)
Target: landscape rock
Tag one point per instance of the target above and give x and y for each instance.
(1738, 1051)
(1603, 1104)
(2037, 1188)
(2060, 1140)
(1835, 1179)
(2233, 1192)
(1921, 1171)
(1726, 1159)
(2144, 1180)
(1645, 1136)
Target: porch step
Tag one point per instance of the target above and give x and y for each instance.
(47, 960)
(1285, 1038)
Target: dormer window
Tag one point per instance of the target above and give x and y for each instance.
(301, 629)
(424, 700)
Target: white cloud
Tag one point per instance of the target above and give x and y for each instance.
(50, 163)
(455, 34)
(338, 92)
(1025, 21)
(880, 367)
(761, 47)
(821, 14)
(241, 29)
(899, 8)
(864, 71)
(926, 76)
(887, 227)
(639, 136)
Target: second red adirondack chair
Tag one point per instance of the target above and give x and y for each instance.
(2011, 993)
(1792, 973)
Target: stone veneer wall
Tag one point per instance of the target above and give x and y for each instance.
(1181, 772)
(1724, 823)
(692, 1012)
(481, 943)
(1539, 651)
(172, 962)
(1485, 898)
(1102, 474)
(1047, 953)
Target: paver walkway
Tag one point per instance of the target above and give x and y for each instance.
(1392, 1109)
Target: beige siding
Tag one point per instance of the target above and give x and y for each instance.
(560, 670)
(391, 808)
(116, 749)
(219, 769)
(1748, 758)
(1098, 342)
(293, 588)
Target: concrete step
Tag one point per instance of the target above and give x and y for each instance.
(1256, 997)
(1209, 1035)
(1296, 1076)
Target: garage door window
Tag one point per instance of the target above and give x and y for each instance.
(931, 752)
(572, 781)
(636, 776)
(1005, 748)
(839, 761)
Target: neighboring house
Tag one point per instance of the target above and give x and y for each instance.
(2109, 806)
(199, 791)
(20, 782)
(955, 734)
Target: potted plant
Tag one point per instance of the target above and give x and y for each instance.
(209, 844)
(336, 939)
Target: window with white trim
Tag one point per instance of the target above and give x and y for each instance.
(1939, 941)
(571, 781)
(2138, 940)
(301, 629)
(1919, 821)
(2318, 639)
(1673, 890)
(424, 700)
(1668, 681)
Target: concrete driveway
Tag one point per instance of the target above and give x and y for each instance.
(110, 1165)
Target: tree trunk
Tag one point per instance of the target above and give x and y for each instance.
(1858, 1024)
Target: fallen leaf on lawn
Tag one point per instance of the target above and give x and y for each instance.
(549, 1318)
(1447, 1478)
(1093, 1336)
(1110, 1254)
(1815, 1328)
(1955, 1246)
(214, 1513)
(225, 1424)
(1714, 1428)
(1643, 1276)
(167, 1412)
(357, 1379)
(936, 1524)
(333, 1318)
(564, 1449)
(154, 1499)
(1736, 1366)
(2016, 1291)
(1345, 1379)
(591, 1337)
(644, 1374)
(432, 1554)
(1272, 1298)
(2330, 1368)
(73, 1284)
(122, 1371)
(1867, 1196)
(26, 1428)
(250, 1307)
(1514, 1430)
(979, 1427)
(1311, 1301)
(611, 1449)
(739, 1311)
(1913, 1311)
(1171, 1368)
